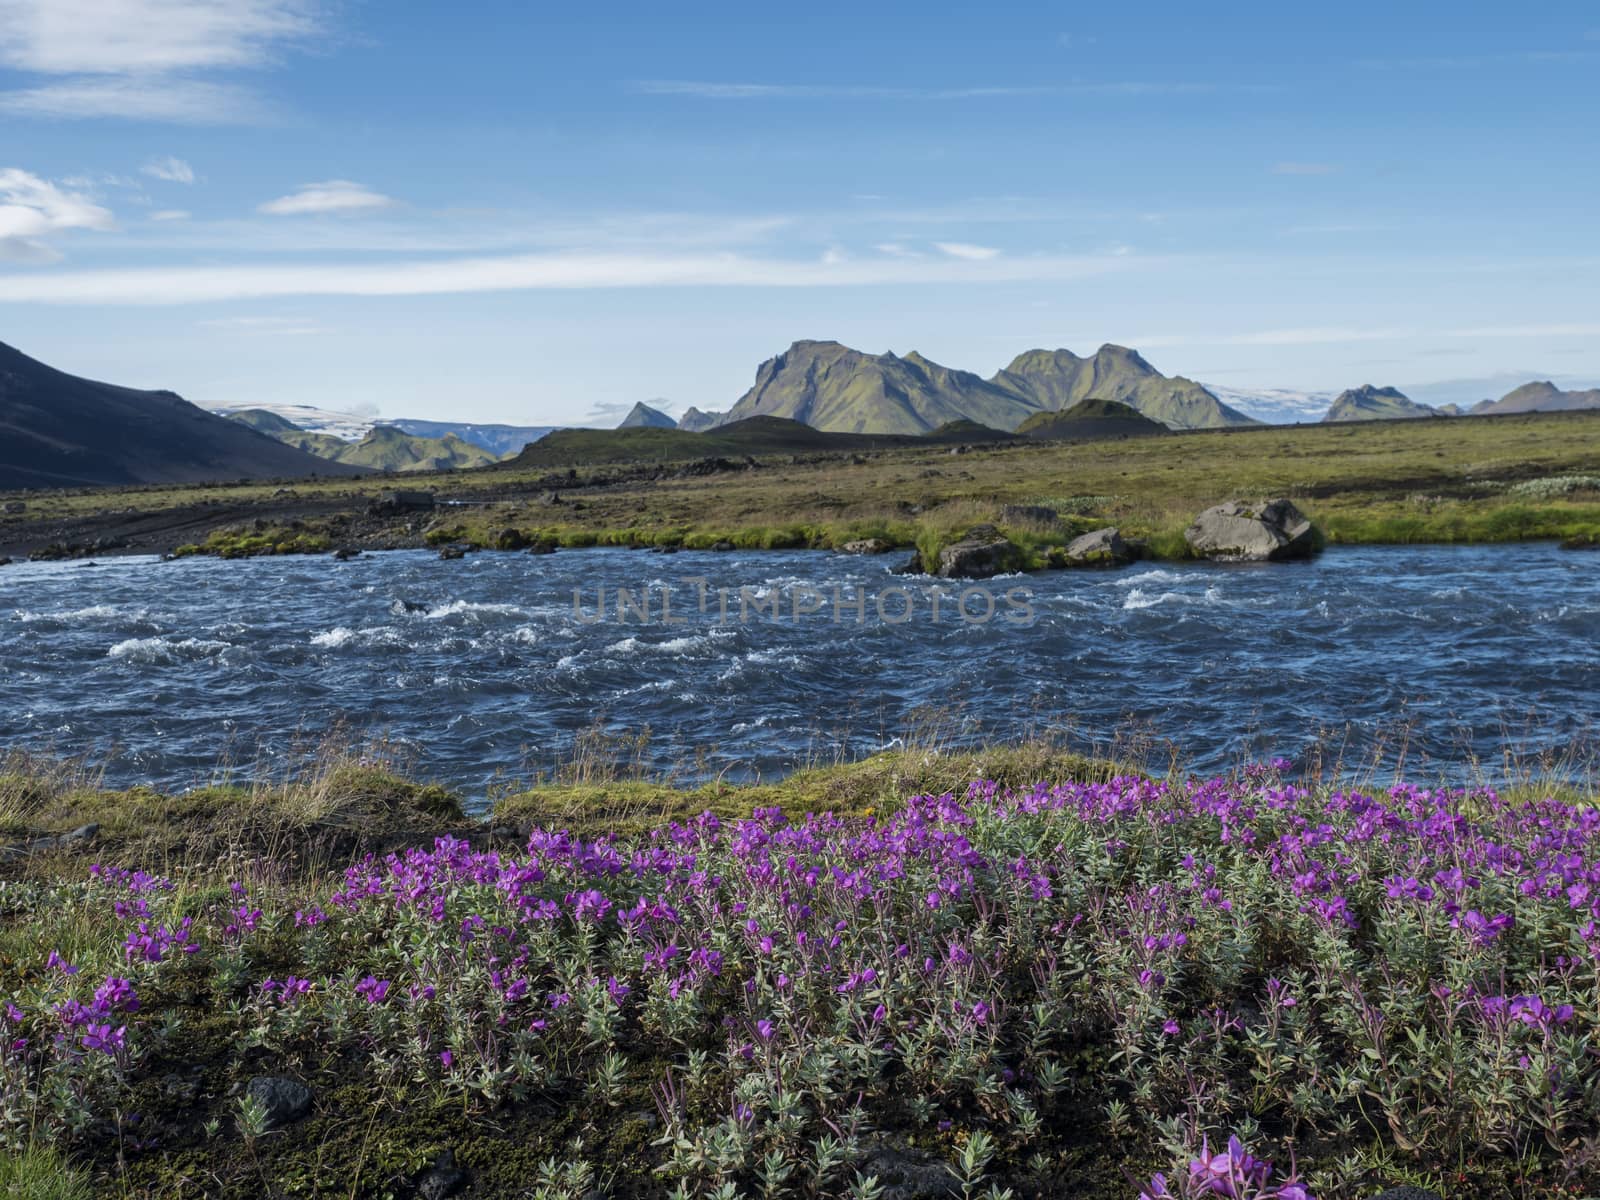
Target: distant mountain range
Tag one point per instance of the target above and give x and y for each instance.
(1543, 396)
(349, 426)
(385, 447)
(58, 430)
(498, 440)
(1275, 406)
(1368, 403)
(831, 387)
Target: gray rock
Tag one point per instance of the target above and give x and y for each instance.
(5, 560)
(53, 841)
(908, 1174)
(722, 547)
(284, 1101)
(13, 507)
(511, 538)
(1407, 1192)
(346, 553)
(1102, 548)
(442, 1179)
(453, 552)
(543, 546)
(1271, 531)
(867, 546)
(912, 566)
(1040, 514)
(396, 502)
(984, 553)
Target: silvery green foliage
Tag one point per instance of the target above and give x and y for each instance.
(1412, 970)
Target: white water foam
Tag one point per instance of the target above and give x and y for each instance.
(457, 607)
(1139, 598)
(162, 651)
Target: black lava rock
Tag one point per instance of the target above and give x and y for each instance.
(285, 1101)
(442, 1179)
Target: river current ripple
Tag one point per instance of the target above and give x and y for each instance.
(482, 672)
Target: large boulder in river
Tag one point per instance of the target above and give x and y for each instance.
(871, 545)
(1271, 531)
(982, 554)
(1102, 548)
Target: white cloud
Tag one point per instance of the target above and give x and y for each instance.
(330, 196)
(173, 170)
(139, 58)
(170, 214)
(158, 98)
(834, 255)
(1303, 168)
(186, 285)
(32, 208)
(147, 37)
(967, 251)
(895, 250)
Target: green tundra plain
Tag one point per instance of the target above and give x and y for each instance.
(1491, 479)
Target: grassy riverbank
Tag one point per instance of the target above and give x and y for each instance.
(1059, 971)
(1458, 480)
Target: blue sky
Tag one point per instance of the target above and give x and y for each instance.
(497, 212)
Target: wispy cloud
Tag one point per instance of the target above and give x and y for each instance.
(183, 285)
(170, 169)
(1303, 168)
(170, 214)
(32, 209)
(967, 251)
(330, 196)
(707, 90)
(171, 100)
(145, 59)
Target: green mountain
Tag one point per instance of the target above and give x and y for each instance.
(498, 440)
(642, 416)
(1542, 396)
(385, 448)
(1058, 379)
(57, 430)
(1089, 420)
(262, 421)
(1368, 403)
(834, 388)
(696, 421)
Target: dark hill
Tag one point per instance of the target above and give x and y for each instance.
(57, 430)
(1090, 420)
(737, 439)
